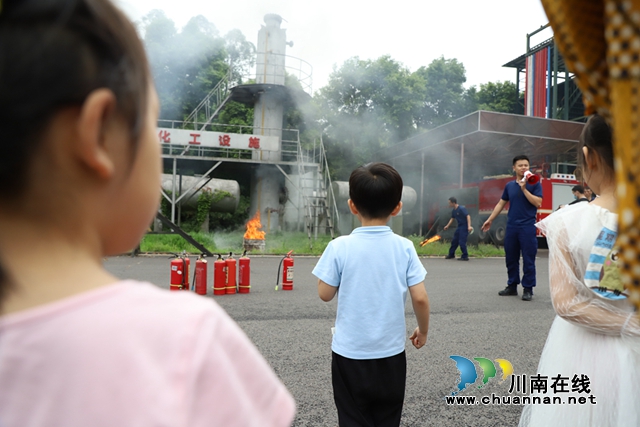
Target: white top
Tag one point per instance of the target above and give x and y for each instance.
(581, 238)
(131, 354)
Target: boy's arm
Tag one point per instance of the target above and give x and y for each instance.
(420, 302)
(326, 292)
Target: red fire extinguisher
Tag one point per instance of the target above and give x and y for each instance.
(219, 276)
(244, 274)
(179, 268)
(287, 272)
(200, 276)
(231, 274)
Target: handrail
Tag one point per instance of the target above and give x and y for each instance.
(307, 217)
(323, 155)
(303, 71)
(225, 83)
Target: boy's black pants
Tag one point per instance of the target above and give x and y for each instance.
(369, 393)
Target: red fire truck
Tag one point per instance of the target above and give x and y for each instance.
(556, 191)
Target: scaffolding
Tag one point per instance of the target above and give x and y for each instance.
(562, 96)
(315, 204)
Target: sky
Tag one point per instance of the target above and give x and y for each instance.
(483, 35)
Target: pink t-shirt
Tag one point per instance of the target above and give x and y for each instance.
(134, 355)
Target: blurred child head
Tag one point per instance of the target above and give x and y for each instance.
(375, 189)
(53, 54)
(597, 152)
(77, 117)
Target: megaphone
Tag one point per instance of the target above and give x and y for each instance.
(530, 177)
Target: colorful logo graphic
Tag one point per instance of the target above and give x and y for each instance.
(468, 374)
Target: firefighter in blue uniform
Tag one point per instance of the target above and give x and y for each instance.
(524, 200)
(460, 214)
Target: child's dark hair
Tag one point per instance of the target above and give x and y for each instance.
(597, 136)
(375, 189)
(520, 157)
(53, 54)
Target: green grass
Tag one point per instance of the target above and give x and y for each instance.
(281, 243)
(441, 249)
(174, 243)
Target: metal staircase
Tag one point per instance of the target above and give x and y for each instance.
(319, 202)
(212, 103)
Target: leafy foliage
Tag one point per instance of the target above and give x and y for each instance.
(204, 205)
(371, 104)
(186, 65)
(231, 221)
(494, 96)
(442, 98)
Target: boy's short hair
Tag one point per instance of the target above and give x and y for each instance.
(521, 157)
(578, 188)
(453, 200)
(375, 189)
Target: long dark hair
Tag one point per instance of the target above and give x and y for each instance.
(597, 137)
(53, 54)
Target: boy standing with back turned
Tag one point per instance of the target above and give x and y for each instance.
(371, 270)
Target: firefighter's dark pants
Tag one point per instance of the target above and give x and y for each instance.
(521, 240)
(460, 238)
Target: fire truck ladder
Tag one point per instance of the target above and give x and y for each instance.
(317, 193)
(212, 103)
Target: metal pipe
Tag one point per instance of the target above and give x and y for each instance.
(421, 192)
(173, 192)
(179, 206)
(555, 82)
(566, 95)
(461, 163)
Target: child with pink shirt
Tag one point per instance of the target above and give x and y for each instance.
(79, 180)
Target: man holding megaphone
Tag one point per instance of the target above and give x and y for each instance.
(524, 196)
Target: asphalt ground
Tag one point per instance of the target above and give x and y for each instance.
(292, 329)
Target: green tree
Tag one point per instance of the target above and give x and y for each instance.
(202, 61)
(366, 105)
(160, 42)
(186, 65)
(241, 54)
(497, 96)
(443, 92)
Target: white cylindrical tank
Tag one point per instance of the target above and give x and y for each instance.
(341, 193)
(270, 51)
(230, 189)
(348, 222)
(409, 198)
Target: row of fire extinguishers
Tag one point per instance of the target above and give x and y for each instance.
(224, 274)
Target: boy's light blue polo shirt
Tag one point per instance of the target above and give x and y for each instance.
(373, 269)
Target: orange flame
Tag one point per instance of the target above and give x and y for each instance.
(253, 228)
(430, 240)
